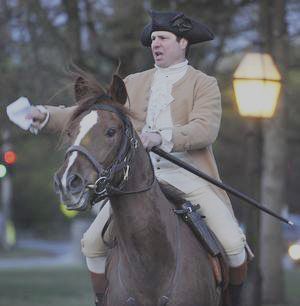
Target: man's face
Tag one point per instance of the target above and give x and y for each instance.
(166, 50)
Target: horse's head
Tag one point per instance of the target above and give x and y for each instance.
(102, 145)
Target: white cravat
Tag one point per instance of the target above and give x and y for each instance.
(159, 113)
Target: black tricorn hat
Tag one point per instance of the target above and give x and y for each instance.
(177, 23)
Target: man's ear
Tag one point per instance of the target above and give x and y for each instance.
(118, 90)
(183, 43)
(81, 88)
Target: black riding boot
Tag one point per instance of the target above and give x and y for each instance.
(235, 294)
(237, 277)
(99, 286)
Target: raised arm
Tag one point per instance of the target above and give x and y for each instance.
(50, 118)
(58, 117)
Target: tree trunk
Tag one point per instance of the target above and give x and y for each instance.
(74, 30)
(273, 176)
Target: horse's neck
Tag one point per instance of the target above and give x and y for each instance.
(145, 222)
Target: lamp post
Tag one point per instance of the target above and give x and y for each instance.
(257, 84)
(7, 232)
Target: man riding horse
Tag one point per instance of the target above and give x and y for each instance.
(177, 108)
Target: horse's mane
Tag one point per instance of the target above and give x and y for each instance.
(174, 195)
(88, 92)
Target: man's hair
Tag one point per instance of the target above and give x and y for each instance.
(187, 50)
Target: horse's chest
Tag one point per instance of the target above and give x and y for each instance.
(125, 291)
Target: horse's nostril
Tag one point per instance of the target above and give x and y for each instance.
(75, 183)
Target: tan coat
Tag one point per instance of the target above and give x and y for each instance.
(196, 114)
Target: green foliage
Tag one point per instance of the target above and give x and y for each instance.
(292, 278)
(35, 204)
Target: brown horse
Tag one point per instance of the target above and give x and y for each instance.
(156, 260)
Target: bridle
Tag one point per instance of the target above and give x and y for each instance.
(104, 185)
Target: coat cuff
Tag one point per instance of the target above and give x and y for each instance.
(43, 110)
(36, 129)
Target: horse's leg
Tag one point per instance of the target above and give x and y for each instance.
(99, 285)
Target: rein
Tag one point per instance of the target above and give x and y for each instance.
(103, 186)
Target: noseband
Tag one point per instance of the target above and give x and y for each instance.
(103, 186)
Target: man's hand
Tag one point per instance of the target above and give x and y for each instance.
(150, 140)
(37, 116)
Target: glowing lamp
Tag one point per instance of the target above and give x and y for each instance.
(294, 251)
(10, 157)
(10, 233)
(3, 171)
(257, 84)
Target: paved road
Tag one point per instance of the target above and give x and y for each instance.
(61, 253)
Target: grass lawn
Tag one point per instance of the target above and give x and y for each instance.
(46, 287)
(23, 253)
(71, 287)
(293, 287)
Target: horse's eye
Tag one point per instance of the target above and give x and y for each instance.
(110, 132)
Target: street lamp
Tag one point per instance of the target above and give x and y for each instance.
(257, 84)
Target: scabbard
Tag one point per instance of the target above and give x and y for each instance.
(200, 229)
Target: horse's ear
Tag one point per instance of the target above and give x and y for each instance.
(118, 90)
(81, 88)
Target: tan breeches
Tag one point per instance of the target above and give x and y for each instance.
(92, 244)
(217, 216)
(219, 219)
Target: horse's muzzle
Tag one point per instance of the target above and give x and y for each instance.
(75, 195)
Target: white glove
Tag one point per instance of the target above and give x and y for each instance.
(27, 117)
